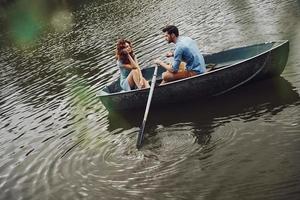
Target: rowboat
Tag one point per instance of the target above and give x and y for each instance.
(232, 68)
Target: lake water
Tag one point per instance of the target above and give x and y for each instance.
(58, 141)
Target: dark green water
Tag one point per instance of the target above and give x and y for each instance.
(57, 141)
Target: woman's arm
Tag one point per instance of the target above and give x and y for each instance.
(135, 65)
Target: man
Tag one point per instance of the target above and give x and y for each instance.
(186, 50)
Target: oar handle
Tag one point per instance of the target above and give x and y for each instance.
(141, 132)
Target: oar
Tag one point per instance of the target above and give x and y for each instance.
(141, 132)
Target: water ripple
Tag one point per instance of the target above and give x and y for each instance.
(59, 142)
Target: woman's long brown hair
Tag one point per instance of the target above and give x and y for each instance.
(120, 55)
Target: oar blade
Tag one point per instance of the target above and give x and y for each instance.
(140, 138)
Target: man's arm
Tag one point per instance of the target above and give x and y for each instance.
(177, 59)
(164, 65)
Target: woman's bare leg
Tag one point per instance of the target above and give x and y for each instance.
(134, 79)
(146, 83)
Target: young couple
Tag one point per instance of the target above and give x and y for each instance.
(186, 51)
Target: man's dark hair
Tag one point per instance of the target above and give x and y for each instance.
(171, 29)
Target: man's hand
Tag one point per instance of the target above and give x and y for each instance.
(169, 54)
(158, 62)
(167, 66)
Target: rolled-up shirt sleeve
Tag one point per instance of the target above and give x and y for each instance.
(177, 59)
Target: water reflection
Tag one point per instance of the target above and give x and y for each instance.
(246, 103)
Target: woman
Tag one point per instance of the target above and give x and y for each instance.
(130, 72)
